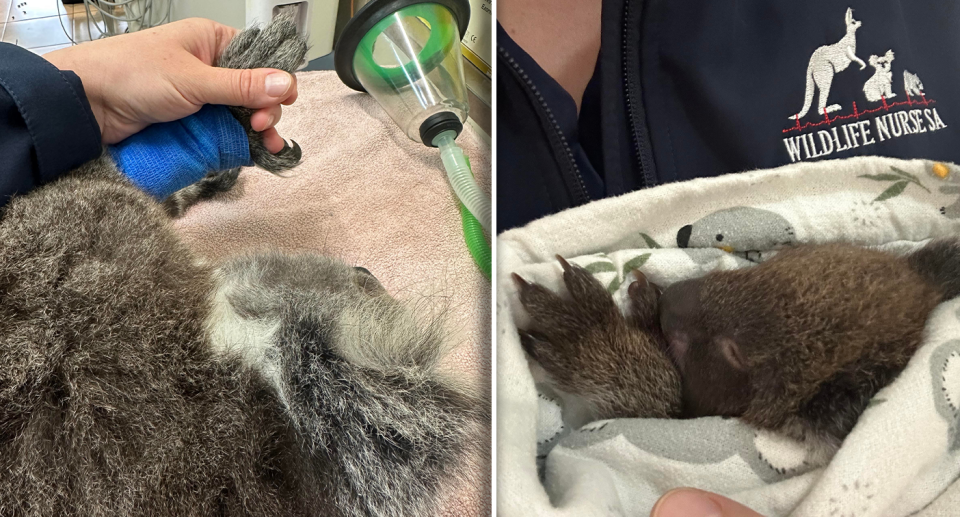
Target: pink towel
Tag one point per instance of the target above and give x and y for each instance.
(368, 195)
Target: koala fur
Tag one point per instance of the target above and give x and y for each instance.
(139, 380)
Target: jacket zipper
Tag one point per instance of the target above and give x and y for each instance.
(631, 83)
(572, 171)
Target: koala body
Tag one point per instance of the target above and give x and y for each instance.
(139, 380)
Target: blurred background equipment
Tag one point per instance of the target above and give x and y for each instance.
(315, 18)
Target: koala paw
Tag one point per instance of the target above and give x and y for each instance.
(590, 349)
(275, 46)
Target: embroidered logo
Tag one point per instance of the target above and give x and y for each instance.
(824, 64)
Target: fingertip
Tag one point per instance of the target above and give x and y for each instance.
(272, 141)
(293, 94)
(265, 118)
(686, 502)
(279, 84)
(690, 502)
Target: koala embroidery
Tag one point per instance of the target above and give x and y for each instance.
(880, 86)
(827, 61)
(912, 84)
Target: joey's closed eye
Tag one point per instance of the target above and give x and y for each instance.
(730, 351)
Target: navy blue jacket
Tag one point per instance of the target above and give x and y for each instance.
(46, 125)
(695, 88)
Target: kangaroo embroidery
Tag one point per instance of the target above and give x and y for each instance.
(827, 61)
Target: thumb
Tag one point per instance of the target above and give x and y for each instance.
(690, 502)
(251, 88)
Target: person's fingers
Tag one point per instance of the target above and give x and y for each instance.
(266, 118)
(272, 141)
(255, 88)
(224, 34)
(292, 98)
(690, 502)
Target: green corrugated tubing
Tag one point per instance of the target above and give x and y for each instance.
(473, 234)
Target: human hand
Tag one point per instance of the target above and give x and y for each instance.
(166, 73)
(690, 502)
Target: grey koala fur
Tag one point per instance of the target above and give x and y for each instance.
(139, 380)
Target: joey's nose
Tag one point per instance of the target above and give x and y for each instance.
(679, 305)
(679, 312)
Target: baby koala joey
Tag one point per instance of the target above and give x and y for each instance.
(798, 344)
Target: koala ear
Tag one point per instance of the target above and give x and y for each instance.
(873, 61)
(730, 351)
(890, 55)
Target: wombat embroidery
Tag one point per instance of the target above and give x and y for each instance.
(140, 380)
(797, 344)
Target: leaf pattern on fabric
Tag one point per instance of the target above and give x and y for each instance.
(893, 191)
(602, 266)
(649, 240)
(901, 179)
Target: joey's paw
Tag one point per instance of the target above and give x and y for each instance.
(589, 304)
(275, 46)
(570, 335)
(588, 348)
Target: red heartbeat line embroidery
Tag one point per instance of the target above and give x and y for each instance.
(924, 101)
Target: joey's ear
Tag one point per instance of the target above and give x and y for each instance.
(730, 351)
(849, 17)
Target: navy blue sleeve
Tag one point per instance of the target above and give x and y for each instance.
(46, 125)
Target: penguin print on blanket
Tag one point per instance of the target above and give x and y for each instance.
(945, 371)
(742, 230)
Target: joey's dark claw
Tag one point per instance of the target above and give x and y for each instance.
(642, 278)
(533, 343)
(592, 299)
(519, 281)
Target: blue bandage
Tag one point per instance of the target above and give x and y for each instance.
(164, 158)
